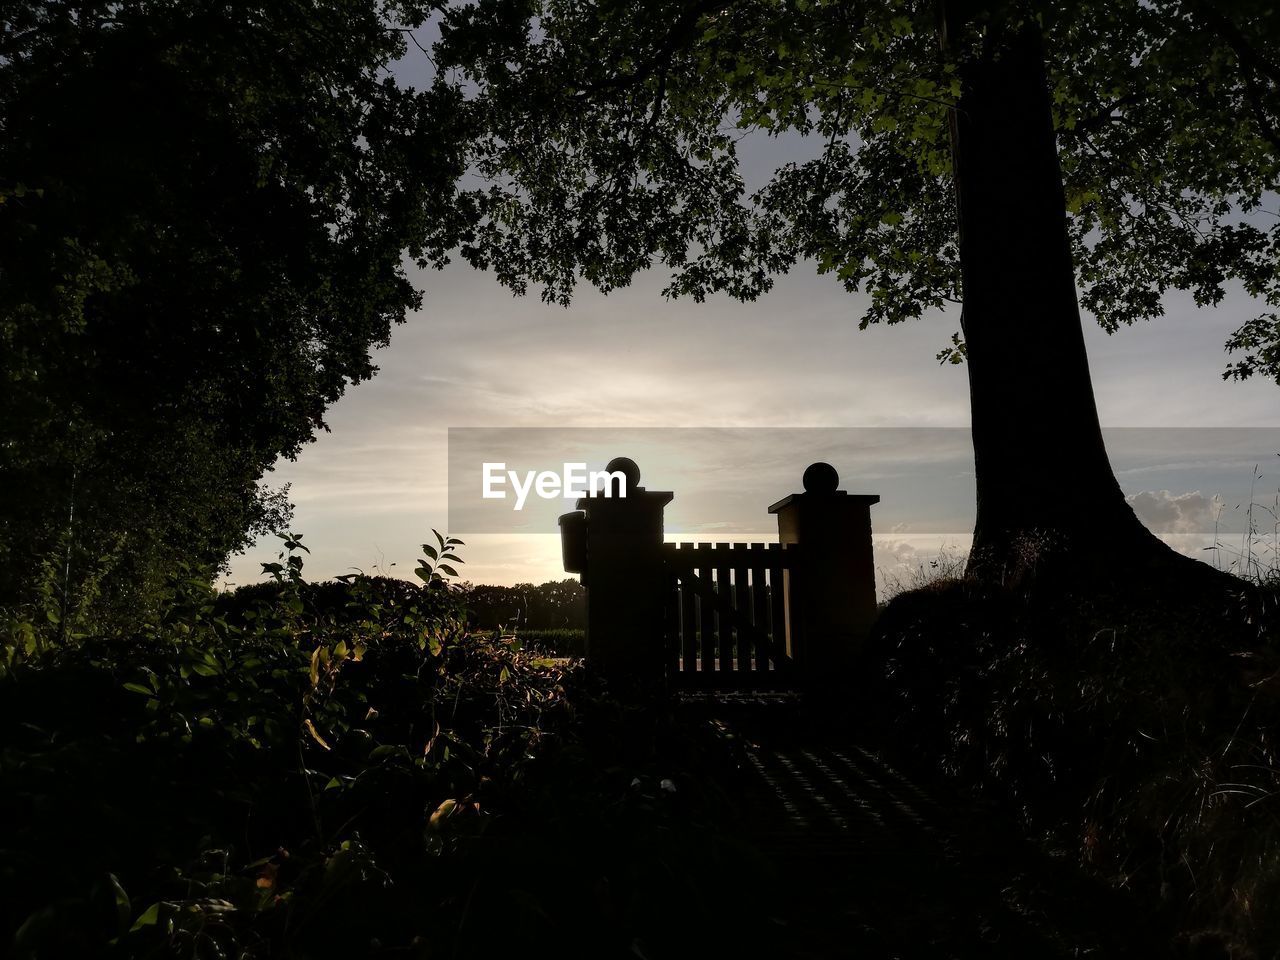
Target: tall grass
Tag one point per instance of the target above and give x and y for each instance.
(1132, 726)
(1257, 558)
(947, 565)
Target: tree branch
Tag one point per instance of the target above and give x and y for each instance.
(1252, 63)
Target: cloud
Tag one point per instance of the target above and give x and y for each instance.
(1181, 513)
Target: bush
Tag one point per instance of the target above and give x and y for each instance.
(342, 770)
(1135, 729)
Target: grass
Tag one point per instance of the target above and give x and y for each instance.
(1257, 558)
(560, 642)
(947, 565)
(1132, 728)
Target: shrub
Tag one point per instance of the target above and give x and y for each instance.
(1135, 729)
(343, 769)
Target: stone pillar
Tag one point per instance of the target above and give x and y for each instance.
(625, 580)
(831, 592)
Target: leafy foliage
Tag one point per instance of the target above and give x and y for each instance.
(204, 211)
(1135, 731)
(616, 137)
(432, 569)
(343, 769)
(558, 604)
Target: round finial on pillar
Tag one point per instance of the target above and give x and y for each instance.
(821, 478)
(628, 468)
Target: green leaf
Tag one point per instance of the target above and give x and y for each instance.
(442, 813)
(124, 909)
(138, 688)
(149, 918)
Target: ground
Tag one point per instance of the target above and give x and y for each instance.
(869, 864)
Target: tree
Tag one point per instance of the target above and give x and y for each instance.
(990, 153)
(204, 213)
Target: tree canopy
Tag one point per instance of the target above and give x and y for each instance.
(204, 214)
(1019, 157)
(613, 141)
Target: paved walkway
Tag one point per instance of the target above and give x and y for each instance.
(869, 865)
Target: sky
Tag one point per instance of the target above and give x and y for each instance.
(369, 491)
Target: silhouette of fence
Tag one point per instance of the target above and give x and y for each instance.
(721, 615)
(726, 614)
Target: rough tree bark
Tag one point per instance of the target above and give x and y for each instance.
(1046, 490)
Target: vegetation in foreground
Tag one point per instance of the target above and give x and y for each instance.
(341, 770)
(1131, 728)
(349, 769)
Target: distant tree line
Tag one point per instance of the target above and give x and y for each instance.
(558, 605)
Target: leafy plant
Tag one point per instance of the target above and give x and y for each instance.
(336, 769)
(433, 569)
(1133, 733)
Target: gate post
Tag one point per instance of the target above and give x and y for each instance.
(625, 579)
(831, 590)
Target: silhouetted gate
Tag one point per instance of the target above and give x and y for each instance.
(726, 615)
(718, 615)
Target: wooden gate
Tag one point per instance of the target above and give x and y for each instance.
(726, 615)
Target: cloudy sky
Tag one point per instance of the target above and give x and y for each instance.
(369, 491)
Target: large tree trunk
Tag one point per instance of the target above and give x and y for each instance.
(1045, 486)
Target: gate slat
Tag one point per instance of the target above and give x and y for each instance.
(725, 629)
(672, 618)
(706, 613)
(777, 607)
(688, 624)
(742, 603)
(760, 608)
